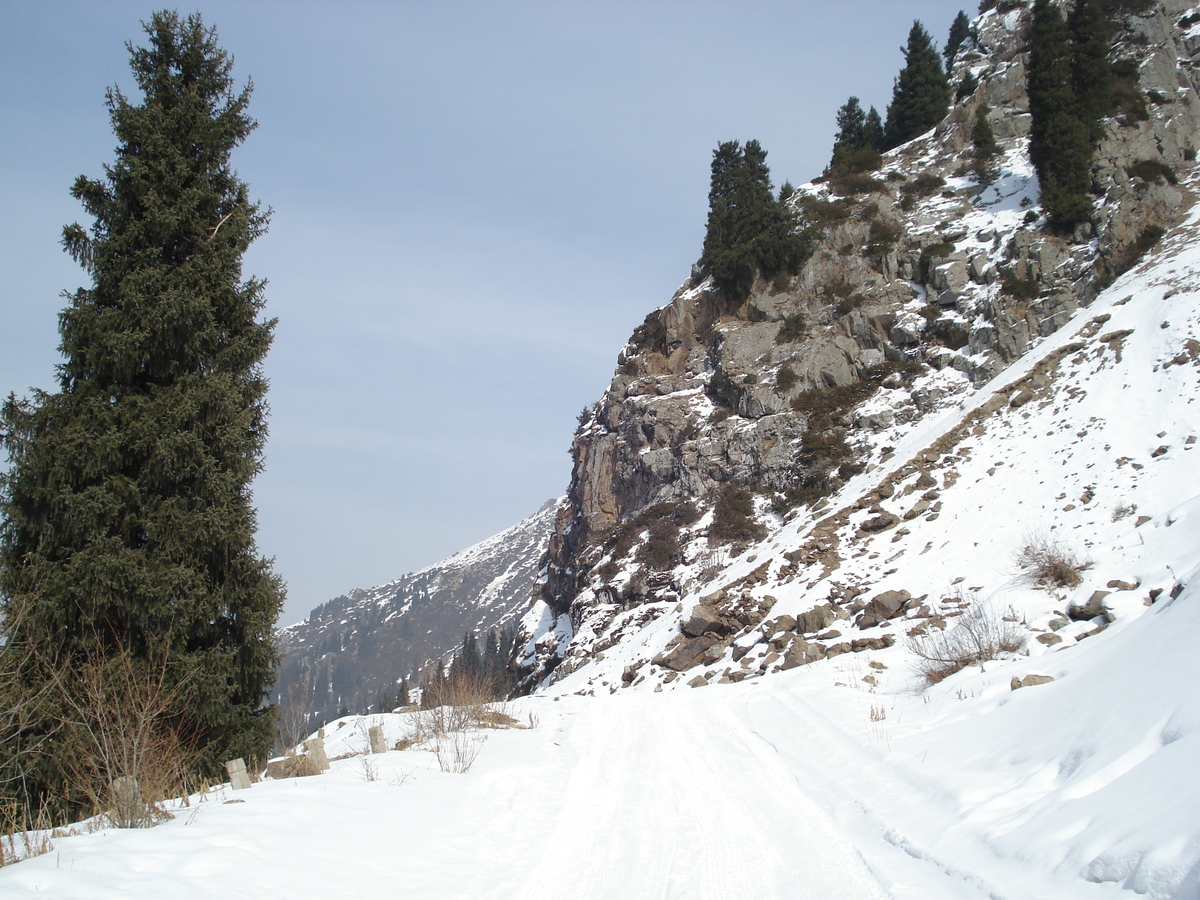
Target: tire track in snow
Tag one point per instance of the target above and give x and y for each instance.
(659, 795)
(927, 861)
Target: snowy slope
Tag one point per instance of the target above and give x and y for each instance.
(776, 788)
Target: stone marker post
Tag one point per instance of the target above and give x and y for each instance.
(316, 750)
(376, 734)
(237, 774)
(128, 809)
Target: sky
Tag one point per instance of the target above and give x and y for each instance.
(474, 204)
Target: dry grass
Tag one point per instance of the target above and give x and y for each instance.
(979, 634)
(1048, 562)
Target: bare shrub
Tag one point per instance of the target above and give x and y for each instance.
(1122, 510)
(1047, 561)
(127, 754)
(291, 718)
(293, 765)
(456, 751)
(979, 634)
(455, 712)
(370, 768)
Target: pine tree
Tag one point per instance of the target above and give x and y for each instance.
(128, 526)
(857, 131)
(748, 231)
(921, 91)
(984, 145)
(1060, 144)
(851, 122)
(967, 86)
(873, 130)
(1091, 71)
(960, 30)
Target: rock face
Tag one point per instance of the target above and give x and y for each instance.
(924, 268)
(355, 646)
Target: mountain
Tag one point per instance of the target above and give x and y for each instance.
(355, 647)
(811, 412)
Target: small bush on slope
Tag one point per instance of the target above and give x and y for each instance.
(1048, 562)
(979, 635)
(733, 518)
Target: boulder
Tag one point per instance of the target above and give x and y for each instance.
(815, 619)
(880, 643)
(687, 653)
(776, 625)
(801, 653)
(703, 619)
(882, 607)
(881, 522)
(1082, 612)
(1029, 681)
(994, 403)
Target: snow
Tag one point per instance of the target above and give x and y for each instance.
(781, 787)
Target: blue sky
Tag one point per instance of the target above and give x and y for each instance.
(474, 205)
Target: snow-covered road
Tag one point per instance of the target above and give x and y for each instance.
(674, 797)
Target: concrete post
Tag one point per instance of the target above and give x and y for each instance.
(237, 774)
(128, 808)
(316, 750)
(376, 734)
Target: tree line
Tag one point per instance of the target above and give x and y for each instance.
(477, 673)
(751, 231)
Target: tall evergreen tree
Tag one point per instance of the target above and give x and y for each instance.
(1060, 143)
(984, 146)
(857, 130)
(1091, 71)
(851, 122)
(873, 135)
(960, 30)
(920, 93)
(749, 231)
(127, 518)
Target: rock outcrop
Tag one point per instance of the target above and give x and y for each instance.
(921, 267)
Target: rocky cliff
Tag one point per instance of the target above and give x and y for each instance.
(354, 647)
(926, 282)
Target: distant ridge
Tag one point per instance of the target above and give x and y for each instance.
(352, 648)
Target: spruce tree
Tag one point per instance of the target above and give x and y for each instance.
(749, 231)
(852, 123)
(967, 86)
(128, 528)
(984, 146)
(873, 135)
(1091, 71)
(857, 131)
(1060, 142)
(960, 30)
(921, 91)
